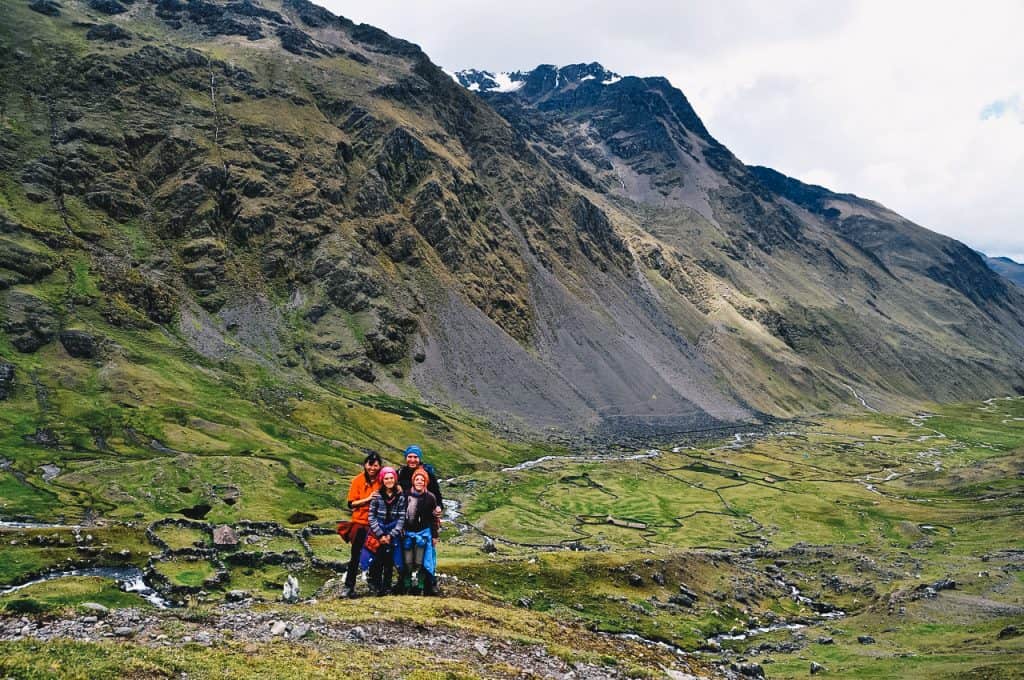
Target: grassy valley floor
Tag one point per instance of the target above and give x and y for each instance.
(872, 545)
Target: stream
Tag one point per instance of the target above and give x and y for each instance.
(595, 458)
(129, 579)
(822, 613)
(5, 524)
(859, 398)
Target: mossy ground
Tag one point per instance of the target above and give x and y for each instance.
(73, 660)
(859, 512)
(894, 504)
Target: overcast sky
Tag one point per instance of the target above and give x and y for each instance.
(918, 105)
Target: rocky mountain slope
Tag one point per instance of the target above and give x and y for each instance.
(260, 200)
(821, 296)
(1008, 268)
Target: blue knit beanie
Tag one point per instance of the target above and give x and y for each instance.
(412, 448)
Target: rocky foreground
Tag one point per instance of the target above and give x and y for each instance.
(250, 629)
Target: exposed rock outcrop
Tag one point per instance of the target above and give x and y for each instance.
(29, 321)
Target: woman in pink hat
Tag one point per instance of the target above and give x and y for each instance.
(387, 520)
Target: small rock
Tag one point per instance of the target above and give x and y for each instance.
(489, 546)
(865, 639)
(685, 590)
(636, 580)
(816, 668)
(825, 641)
(299, 630)
(658, 578)
(749, 670)
(108, 6)
(1010, 632)
(50, 472)
(278, 628)
(357, 633)
(236, 595)
(89, 619)
(124, 631)
(48, 7)
(481, 647)
(290, 593)
(79, 344)
(95, 607)
(524, 602)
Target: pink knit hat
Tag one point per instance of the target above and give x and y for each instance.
(384, 471)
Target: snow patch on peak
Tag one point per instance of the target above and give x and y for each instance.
(508, 82)
(488, 81)
(612, 79)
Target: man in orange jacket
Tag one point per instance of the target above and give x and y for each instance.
(360, 491)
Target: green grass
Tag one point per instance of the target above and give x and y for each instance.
(273, 544)
(670, 515)
(187, 572)
(178, 538)
(74, 660)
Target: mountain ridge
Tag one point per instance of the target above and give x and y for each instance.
(579, 253)
(1007, 267)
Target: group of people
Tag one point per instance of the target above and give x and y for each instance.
(396, 518)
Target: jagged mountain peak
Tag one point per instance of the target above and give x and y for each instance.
(541, 80)
(489, 81)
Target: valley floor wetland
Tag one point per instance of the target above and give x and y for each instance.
(864, 546)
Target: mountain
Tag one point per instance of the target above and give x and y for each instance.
(1008, 268)
(208, 202)
(793, 292)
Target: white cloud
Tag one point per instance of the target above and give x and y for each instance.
(913, 104)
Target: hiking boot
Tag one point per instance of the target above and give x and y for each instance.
(349, 592)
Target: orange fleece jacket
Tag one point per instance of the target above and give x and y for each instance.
(357, 491)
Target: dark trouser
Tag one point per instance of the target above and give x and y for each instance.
(353, 564)
(382, 567)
